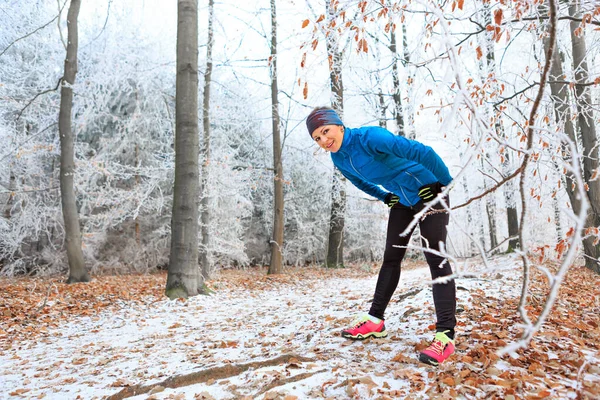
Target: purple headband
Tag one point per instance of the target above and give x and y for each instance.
(318, 118)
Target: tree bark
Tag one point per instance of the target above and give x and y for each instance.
(275, 266)
(409, 122)
(562, 114)
(335, 245)
(204, 188)
(509, 190)
(589, 139)
(397, 95)
(184, 279)
(77, 271)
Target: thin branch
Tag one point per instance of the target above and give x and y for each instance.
(202, 376)
(38, 95)
(504, 99)
(28, 139)
(30, 191)
(62, 39)
(581, 84)
(33, 32)
(559, 19)
(105, 22)
(490, 190)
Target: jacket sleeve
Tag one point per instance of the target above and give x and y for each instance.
(382, 141)
(367, 187)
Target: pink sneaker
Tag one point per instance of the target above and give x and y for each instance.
(440, 349)
(363, 327)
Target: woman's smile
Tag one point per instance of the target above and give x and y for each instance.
(329, 137)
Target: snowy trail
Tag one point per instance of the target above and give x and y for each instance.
(97, 357)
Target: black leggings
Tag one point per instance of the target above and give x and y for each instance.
(433, 230)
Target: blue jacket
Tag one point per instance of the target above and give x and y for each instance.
(372, 156)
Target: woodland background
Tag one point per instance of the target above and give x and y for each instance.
(505, 91)
(462, 77)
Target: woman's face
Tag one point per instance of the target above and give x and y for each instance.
(329, 137)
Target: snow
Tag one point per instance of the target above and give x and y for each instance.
(147, 343)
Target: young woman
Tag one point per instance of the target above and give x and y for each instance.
(412, 175)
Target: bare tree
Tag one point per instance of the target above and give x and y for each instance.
(335, 245)
(205, 213)
(509, 190)
(397, 93)
(77, 272)
(184, 279)
(589, 139)
(275, 266)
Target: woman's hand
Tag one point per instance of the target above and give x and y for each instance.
(391, 199)
(428, 192)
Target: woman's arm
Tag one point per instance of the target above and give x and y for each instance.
(367, 187)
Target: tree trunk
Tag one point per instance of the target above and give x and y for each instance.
(77, 272)
(470, 222)
(184, 279)
(381, 109)
(562, 114)
(409, 122)
(204, 189)
(397, 95)
(588, 138)
(335, 245)
(275, 266)
(490, 210)
(557, 223)
(509, 190)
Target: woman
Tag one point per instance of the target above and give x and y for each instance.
(413, 174)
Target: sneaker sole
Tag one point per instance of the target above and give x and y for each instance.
(424, 358)
(360, 336)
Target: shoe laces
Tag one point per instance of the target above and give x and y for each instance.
(359, 321)
(439, 342)
(436, 346)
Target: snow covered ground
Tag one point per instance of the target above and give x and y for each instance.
(236, 333)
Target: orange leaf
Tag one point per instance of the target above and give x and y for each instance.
(321, 18)
(460, 4)
(303, 62)
(498, 16)
(305, 90)
(365, 46)
(305, 23)
(479, 52)
(449, 381)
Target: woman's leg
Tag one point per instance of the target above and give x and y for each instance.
(433, 231)
(389, 274)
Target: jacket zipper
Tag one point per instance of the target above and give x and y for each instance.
(417, 179)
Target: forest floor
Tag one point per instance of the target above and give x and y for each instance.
(277, 337)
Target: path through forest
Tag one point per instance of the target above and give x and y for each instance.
(277, 337)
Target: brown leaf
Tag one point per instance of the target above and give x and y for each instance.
(498, 16)
(479, 52)
(305, 23)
